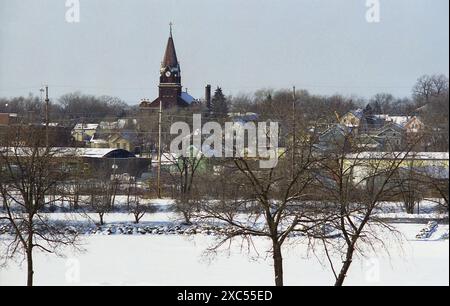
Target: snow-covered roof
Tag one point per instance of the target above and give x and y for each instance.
(9, 114)
(167, 159)
(382, 116)
(357, 112)
(248, 116)
(97, 140)
(172, 158)
(400, 155)
(86, 126)
(94, 152)
(119, 124)
(65, 151)
(399, 120)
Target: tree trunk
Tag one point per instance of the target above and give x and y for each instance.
(76, 200)
(278, 264)
(101, 219)
(128, 196)
(30, 266)
(345, 267)
(187, 219)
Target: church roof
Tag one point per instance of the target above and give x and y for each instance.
(187, 98)
(170, 56)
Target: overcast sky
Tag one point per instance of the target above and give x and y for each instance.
(325, 46)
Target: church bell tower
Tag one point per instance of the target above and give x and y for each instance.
(170, 89)
(170, 75)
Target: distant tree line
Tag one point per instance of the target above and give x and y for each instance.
(429, 98)
(67, 108)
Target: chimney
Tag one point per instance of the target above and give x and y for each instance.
(208, 96)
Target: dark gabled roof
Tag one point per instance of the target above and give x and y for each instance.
(374, 120)
(335, 128)
(155, 103)
(390, 126)
(358, 113)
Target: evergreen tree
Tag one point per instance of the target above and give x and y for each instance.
(219, 105)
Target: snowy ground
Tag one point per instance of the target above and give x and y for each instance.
(179, 260)
(170, 259)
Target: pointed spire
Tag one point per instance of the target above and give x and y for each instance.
(170, 56)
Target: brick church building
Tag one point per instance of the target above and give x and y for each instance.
(170, 89)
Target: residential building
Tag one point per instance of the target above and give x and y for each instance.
(83, 132)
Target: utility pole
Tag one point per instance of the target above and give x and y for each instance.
(293, 131)
(46, 115)
(159, 150)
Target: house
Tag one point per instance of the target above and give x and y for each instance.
(8, 118)
(334, 137)
(366, 142)
(414, 125)
(411, 124)
(171, 162)
(391, 136)
(83, 132)
(98, 143)
(371, 123)
(433, 164)
(120, 124)
(352, 119)
(124, 140)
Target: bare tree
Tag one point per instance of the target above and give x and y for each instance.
(381, 103)
(410, 185)
(354, 185)
(433, 182)
(101, 194)
(138, 209)
(28, 174)
(258, 202)
(440, 186)
(184, 176)
(429, 86)
(135, 203)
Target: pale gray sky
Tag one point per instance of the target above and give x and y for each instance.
(325, 46)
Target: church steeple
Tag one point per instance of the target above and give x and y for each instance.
(170, 89)
(170, 60)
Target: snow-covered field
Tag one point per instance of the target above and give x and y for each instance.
(179, 260)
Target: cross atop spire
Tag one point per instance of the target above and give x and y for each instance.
(170, 56)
